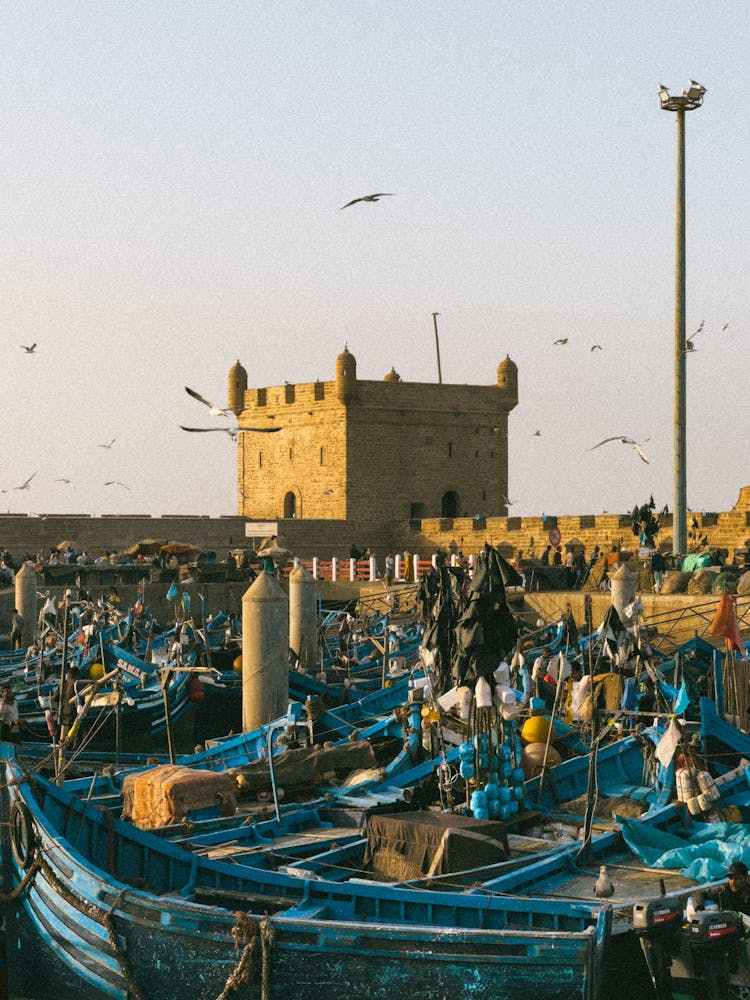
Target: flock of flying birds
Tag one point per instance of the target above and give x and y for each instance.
(624, 439)
(234, 431)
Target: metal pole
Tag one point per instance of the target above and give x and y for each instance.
(118, 718)
(166, 677)
(437, 346)
(63, 709)
(679, 525)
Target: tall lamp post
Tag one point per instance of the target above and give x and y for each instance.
(688, 100)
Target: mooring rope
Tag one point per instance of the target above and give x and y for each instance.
(267, 939)
(245, 933)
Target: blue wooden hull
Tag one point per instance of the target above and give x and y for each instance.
(74, 912)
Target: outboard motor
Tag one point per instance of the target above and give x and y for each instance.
(713, 937)
(656, 923)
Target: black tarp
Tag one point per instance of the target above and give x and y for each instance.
(433, 843)
(468, 626)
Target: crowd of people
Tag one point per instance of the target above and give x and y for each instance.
(577, 566)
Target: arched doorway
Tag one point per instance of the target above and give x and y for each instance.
(290, 504)
(449, 505)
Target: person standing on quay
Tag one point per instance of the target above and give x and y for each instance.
(658, 566)
(16, 629)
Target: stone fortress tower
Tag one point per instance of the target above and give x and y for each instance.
(375, 451)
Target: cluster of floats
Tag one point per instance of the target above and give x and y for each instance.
(426, 816)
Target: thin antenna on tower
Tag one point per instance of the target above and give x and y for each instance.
(437, 346)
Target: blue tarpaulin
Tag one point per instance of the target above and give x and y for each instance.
(704, 856)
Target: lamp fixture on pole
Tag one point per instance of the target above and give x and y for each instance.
(688, 100)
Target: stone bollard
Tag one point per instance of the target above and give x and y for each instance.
(303, 616)
(26, 602)
(265, 667)
(623, 584)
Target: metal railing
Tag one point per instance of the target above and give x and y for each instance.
(669, 627)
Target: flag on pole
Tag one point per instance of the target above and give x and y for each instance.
(724, 626)
(667, 745)
(682, 700)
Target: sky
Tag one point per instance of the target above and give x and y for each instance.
(172, 176)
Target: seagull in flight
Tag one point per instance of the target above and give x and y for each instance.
(625, 440)
(508, 502)
(596, 347)
(689, 346)
(326, 493)
(537, 434)
(231, 431)
(108, 445)
(25, 485)
(725, 327)
(116, 482)
(368, 197)
(213, 409)
(30, 349)
(65, 482)
(560, 342)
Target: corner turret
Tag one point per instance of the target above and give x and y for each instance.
(507, 381)
(346, 376)
(236, 388)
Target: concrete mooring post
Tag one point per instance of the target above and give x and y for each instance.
(265, 670)
(623, 584)
(303, 616)
(26, 602)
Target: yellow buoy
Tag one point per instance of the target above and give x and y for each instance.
(536, 729)
(96, 671)
(238, 664)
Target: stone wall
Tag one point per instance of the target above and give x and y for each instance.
(328, 537)
(728, 529)
(374, 451)
(23, 534)
(410, 445)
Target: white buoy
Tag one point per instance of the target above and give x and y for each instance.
(265, 671)
(25, 582)
(303, 616)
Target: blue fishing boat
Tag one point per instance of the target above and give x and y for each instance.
(99, 908)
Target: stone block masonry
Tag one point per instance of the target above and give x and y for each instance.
(369, 452)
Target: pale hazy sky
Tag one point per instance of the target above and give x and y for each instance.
(171, 176)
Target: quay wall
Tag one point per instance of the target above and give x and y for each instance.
(676, 617)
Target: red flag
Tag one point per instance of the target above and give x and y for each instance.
(725, 625)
